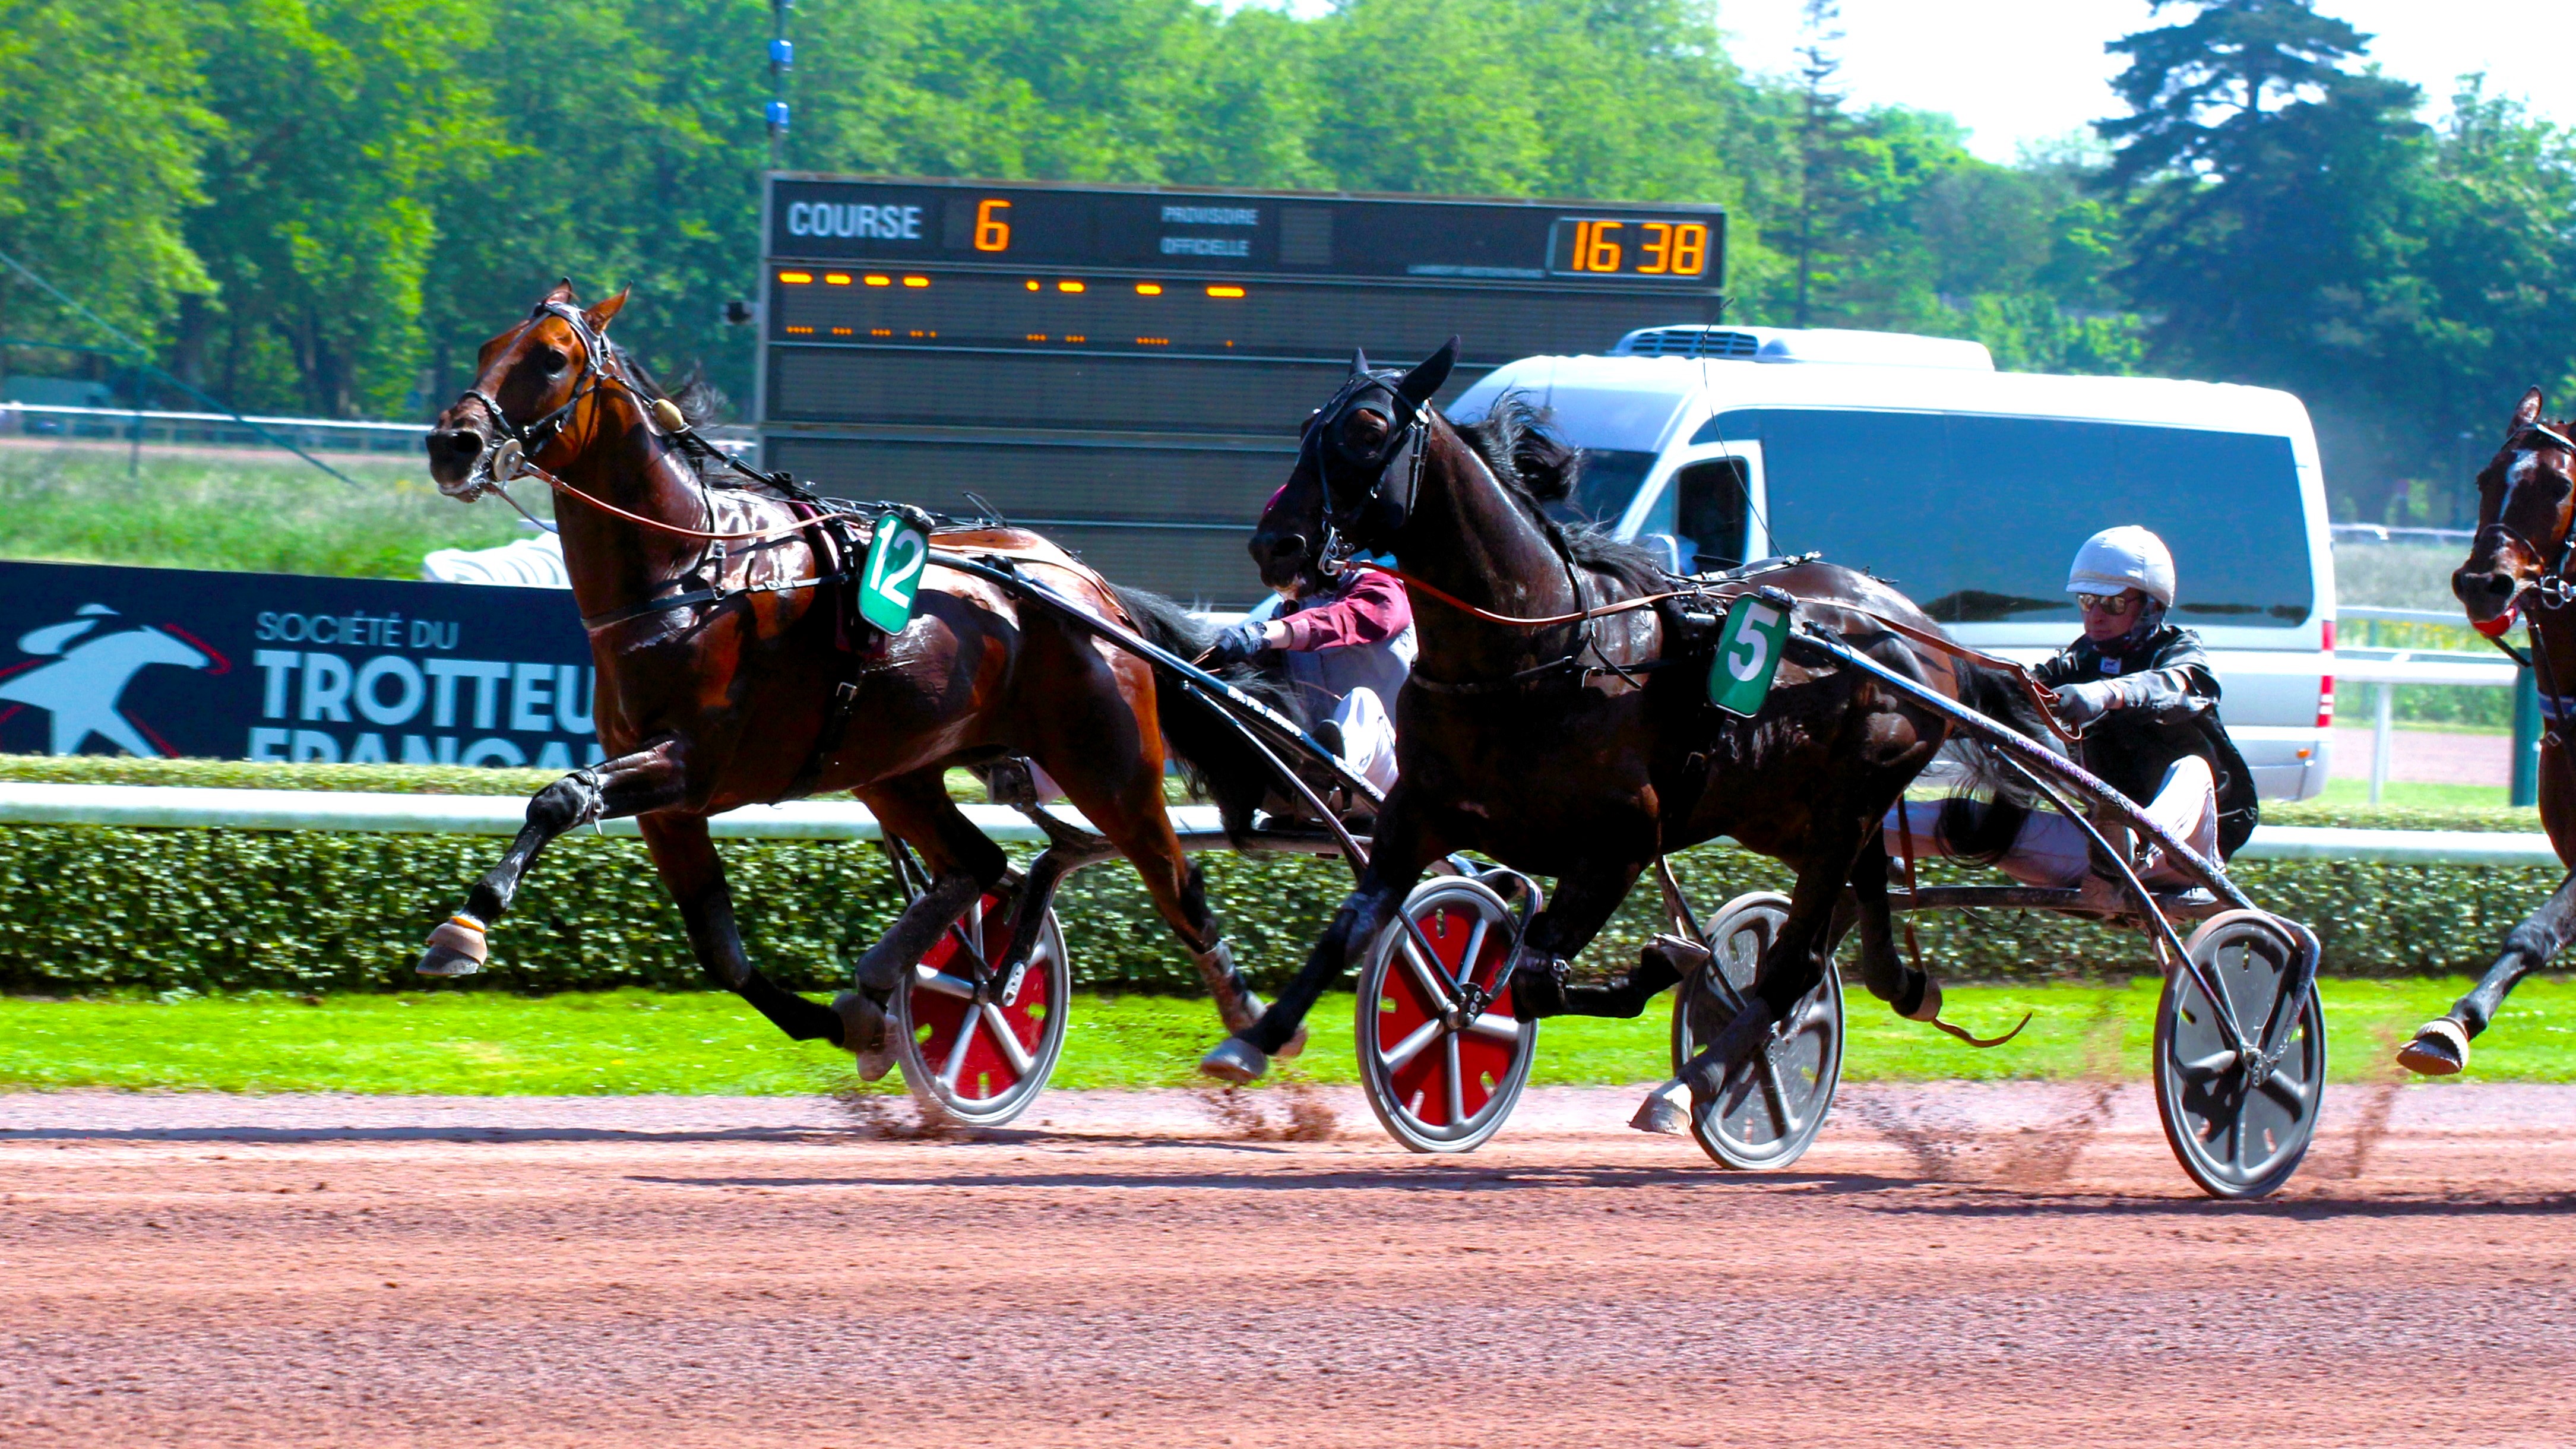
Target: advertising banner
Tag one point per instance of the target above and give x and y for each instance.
(101, 660)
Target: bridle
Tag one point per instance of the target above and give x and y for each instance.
(515, 457)
(2552, 588)
(1374, 511)
(1381, 512)
(495, 467)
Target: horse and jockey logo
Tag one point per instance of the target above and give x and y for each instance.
(82, 688)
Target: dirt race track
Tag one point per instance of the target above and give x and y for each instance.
(2013, 1265)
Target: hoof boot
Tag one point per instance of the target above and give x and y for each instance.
(863, 1031)
(2440, 1049)
(459, 947)
(446, 961)
(1235, 1060)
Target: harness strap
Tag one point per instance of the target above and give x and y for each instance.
(597, 622)
(2039, 694)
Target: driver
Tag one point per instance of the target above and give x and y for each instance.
(1345, 644)
(2142, 692)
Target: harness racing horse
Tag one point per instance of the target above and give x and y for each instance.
(2518, 564)
(728, 675)
(1571, 749)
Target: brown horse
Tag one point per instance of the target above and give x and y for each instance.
(1587, 749)
(729, 674)
(2518, 564)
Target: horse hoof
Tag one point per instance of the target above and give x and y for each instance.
(1235, 1060)
(1930, 1010)
(863, 1031)
(2440, 1049)
(1660, 1114)
(445, 961)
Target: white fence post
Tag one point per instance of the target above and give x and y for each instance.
(2379, 740)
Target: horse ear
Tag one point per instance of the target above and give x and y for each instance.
(606, 310)
(562, 291)
(1359, 362)
(2527, 411)
(1419, 384)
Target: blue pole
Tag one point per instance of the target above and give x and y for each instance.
(2525, 790)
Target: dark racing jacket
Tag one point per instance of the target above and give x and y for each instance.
(2169, 709)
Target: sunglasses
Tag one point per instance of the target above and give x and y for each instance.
(2110, 605)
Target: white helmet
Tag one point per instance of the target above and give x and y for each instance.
(2119, 559)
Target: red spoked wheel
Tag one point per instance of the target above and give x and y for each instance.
(1443, 1055)
(976, 1048)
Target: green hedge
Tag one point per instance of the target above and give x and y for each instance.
(90, 908)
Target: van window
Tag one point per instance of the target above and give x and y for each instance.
(1708, 506)
(1603, 490)
(1976, 518)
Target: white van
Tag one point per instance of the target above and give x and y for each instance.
(1969, 489)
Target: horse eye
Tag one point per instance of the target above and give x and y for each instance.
(553, 360)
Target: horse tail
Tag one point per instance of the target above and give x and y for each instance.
(1216, 760)
(1985, 830)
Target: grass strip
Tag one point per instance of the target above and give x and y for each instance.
(627, 1042)
(260, 512)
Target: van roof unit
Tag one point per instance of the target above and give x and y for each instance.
(1805, 344)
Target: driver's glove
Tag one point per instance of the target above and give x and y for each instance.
(1235, 643)
(2081, 704)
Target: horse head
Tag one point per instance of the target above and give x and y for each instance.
(2526, 495)
(528, 383)
(1359, 463)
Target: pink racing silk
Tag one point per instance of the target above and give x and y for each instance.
(1363, 607)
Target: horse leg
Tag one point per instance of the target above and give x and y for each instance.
(1794, 964)
(1127, 807)
(1397, 856)
(651, 779)
(1582, 905)
(686, 859)
(2441, 1046)
(1907, 989)
(963, 864)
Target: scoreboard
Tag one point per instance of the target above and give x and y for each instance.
(1126, 368)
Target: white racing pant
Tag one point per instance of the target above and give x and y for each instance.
(1368, 737)
(1368, 745)
(2052, 850)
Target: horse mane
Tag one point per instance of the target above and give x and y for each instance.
(700, 402)
(1522, 449)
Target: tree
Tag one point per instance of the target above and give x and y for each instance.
(1825, 140)
(343, 121)
(102, 122)
(620, 156)
(2258, 174)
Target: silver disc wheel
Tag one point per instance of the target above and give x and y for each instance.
(1443, 1055)
(976, 1050)
(1771, 1107)
(2236, 1127)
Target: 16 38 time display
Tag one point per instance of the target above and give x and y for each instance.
(1613, 246)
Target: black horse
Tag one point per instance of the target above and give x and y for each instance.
(1586, 749)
